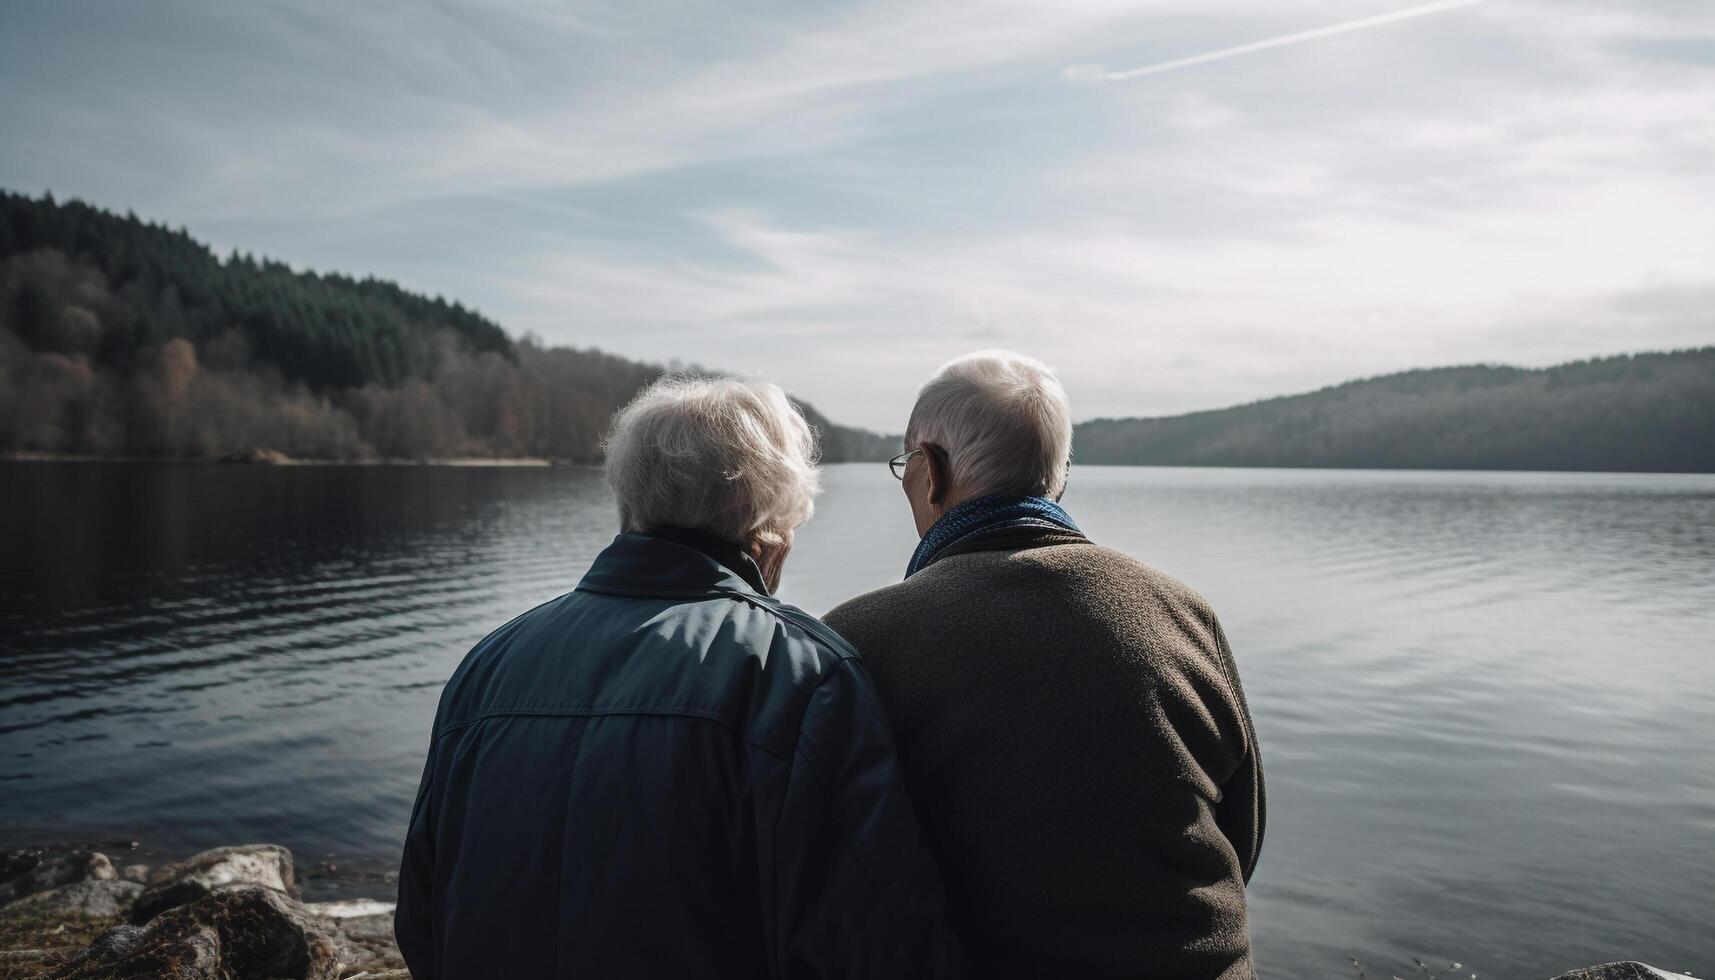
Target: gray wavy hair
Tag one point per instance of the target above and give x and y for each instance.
(1003, 420)
(732, 458)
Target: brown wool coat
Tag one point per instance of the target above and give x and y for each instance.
(1077, 746)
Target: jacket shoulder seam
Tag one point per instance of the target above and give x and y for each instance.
(824, 636)
(714, 716)
(830, 640)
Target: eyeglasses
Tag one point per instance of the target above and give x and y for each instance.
(897, 463)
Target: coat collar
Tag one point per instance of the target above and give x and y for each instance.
(672, 563)
(1012, 539)
(986, 515)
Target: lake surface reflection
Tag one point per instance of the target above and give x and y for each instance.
(1486, 700)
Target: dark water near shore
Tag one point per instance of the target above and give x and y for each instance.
(1486, 701)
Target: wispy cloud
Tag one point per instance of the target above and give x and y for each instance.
(1082, 72)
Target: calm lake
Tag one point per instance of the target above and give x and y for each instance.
(1486, 701)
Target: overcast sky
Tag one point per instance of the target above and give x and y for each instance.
(840, 196)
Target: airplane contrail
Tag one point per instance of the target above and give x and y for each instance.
(1285, 39)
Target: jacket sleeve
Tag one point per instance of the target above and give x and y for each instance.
(1243, 812)
(857, 894)
(412, 925)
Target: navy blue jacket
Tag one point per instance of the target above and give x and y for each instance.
(666, 772)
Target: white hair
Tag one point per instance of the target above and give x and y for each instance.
(1003, 421)
(732, 458)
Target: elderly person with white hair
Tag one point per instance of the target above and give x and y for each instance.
(667, 772)
(1069, 721)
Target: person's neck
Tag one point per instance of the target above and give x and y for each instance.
(959, 499)
(949, 504)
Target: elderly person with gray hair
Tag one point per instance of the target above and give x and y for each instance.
(1069, 721)
(668, 772)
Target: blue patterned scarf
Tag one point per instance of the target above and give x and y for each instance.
(984, 514)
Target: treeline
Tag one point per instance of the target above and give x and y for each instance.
(1643, 412)
(120, 337)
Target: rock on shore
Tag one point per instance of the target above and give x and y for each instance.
(1622, 971)
(67, 914)
(35, 869)
(201, 875)
(242, 930)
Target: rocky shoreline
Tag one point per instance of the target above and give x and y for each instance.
(73, 914)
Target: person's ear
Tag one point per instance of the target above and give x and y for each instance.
(939, 472)
(769, 549)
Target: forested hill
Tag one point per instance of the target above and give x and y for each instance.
(1644, 412)
(120, 337)
(124, 338)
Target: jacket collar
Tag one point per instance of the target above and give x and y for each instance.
(1021, 538)
(672, 563)
(985, 515)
